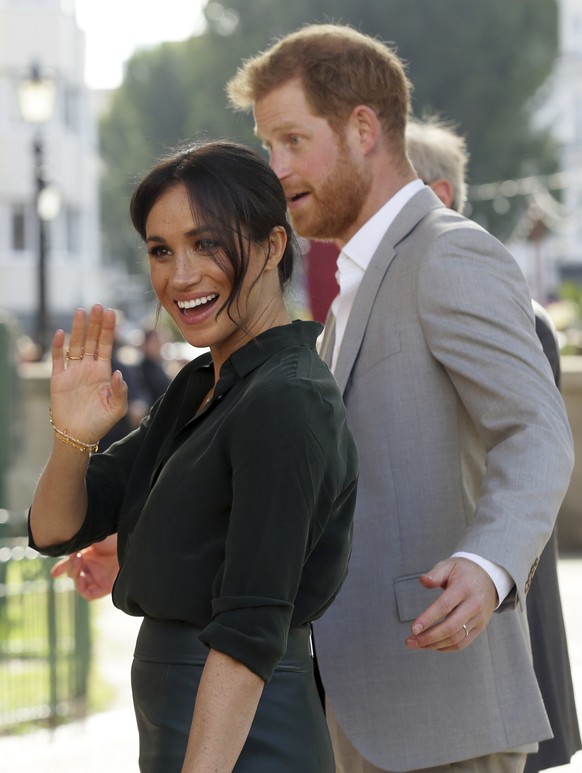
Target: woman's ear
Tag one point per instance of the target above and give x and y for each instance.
(277, 244)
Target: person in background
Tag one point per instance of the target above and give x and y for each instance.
(153, 373)
(125, 424)
(464, 444)
(439, 155)
(149, 377)
(233, 500)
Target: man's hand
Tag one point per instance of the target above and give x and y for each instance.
(460, 613)
(93, 569)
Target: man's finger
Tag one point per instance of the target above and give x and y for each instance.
(60, 568)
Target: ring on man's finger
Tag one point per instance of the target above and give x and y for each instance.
(71, 357)
(466, 630)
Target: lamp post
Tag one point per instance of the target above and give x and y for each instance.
(36, 97)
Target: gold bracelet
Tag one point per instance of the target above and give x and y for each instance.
(73, 442)
(68, 441)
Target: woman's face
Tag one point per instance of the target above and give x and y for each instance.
(192, 287)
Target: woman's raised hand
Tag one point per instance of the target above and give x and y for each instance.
(87, 399)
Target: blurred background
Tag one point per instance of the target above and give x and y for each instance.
(92, 93)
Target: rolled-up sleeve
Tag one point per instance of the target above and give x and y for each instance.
(282, 486)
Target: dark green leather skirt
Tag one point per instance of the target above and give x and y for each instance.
(288, 734)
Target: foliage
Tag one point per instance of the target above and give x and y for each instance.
(478, 64)
(566, 314)
(572, 292)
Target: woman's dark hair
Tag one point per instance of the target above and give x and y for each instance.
(234, 192)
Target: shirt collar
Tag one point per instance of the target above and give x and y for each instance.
(250, 356)
(256, 352)
(363, 244)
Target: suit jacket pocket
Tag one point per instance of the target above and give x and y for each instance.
(412, 597)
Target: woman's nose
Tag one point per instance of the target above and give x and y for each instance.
(186, 271)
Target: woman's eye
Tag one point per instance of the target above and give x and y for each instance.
(158, 252)
(208, 246)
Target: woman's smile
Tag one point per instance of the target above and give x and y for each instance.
(192, 278)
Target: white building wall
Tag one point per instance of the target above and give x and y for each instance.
(45, 31)
(559, 254)
(567, 124)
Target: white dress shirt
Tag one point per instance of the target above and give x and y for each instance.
(352, 262)
(356, 255)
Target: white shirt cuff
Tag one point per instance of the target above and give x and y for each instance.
(499, 576)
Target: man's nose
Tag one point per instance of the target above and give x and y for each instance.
(279, 162)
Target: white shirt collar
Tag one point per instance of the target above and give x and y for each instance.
(364, 243)
(355, 258)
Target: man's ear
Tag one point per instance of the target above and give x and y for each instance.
(365, 126)
(444, 190)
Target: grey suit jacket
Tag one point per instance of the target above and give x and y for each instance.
(464, 444)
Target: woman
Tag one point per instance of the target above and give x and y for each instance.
(233, 500)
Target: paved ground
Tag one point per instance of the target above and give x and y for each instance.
(102, 742)
(570, 573)
(108, 741)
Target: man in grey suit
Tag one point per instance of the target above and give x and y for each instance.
(439, 156)
(464, 444)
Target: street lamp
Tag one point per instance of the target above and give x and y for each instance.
(36, 98)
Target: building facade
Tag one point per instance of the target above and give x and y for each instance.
(44, 34)
(568, 124)
(550, 247)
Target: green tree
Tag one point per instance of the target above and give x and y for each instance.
(476, 63)
(170, 95)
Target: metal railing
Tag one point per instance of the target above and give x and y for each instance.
(44, 637)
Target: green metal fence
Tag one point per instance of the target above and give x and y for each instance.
(44, 637)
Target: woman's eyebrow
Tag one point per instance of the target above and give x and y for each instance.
(191, 233)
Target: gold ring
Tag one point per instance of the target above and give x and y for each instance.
(466, 630)
(70, 357)
(106, 359)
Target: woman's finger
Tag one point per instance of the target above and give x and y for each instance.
(57, 351)
(77, 337)
(106, 335)
(92, 336)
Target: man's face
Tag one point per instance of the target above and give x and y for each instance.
(324, 180)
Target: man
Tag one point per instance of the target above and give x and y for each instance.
(464, 445)
(439, 157)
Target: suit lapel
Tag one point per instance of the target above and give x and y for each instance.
(409, 217)
(328, 341)
(359, 315)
